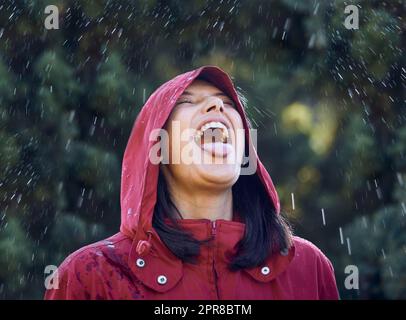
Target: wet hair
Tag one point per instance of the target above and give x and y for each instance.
(266, 232)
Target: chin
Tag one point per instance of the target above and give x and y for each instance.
(218, 174)
(212, 171)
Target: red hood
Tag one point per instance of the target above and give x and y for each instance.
(139, 176)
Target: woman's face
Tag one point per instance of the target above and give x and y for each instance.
(206, 138)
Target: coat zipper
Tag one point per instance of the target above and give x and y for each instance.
(213, 232)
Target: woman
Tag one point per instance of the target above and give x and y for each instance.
(198, 223)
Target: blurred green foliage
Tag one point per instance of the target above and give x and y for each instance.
(328, 104)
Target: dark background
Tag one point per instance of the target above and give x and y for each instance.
(328, 104)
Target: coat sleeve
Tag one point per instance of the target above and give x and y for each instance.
(327, 285)
(78, 278)
(68, 286)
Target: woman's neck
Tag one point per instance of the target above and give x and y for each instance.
(204, 205)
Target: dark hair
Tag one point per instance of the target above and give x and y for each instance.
(265, 231)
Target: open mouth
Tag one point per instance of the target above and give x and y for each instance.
(214, 138)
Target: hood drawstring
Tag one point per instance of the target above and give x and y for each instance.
(143, 246)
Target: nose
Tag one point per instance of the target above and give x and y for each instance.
(213, 104)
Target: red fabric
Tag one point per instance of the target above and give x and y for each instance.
(108, 269)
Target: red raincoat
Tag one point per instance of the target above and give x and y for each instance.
(135, 263)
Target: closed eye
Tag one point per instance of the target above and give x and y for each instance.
(229, 103)
(183, 101)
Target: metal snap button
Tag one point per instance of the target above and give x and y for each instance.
(162, 279)
(265, 271)
(140, 262)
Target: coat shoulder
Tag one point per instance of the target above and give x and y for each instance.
(304, 244)
(92, 252)
(311, 264)
(81, 275)
(309, 255)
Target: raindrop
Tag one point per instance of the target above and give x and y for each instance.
(341, 235)
(80, 202)
(293, 200)
(60, 186)
(365, 223)
(71, 115)
(80, 199)
(283, 35)
(287, 24)
(400, 178)
(311, 41)
(379, 193)
(316, 8)
(92, 129)
(390, 271)
(349, 246)
(323, 216)
(67, 144)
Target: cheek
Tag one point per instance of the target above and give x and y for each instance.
(237, 123)
(239, 133)
(235, 117)
(178, 126)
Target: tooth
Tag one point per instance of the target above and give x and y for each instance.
(198, 135)
(225, 136)
(213, 125)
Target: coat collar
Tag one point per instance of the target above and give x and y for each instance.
(159, 261)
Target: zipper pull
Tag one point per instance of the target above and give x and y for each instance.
(213, 227)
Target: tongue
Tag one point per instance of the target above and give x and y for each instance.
(217, 149)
